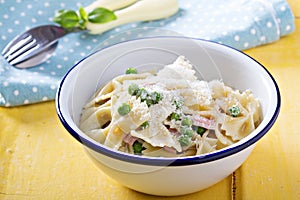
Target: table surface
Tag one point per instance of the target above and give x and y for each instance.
(40, 160)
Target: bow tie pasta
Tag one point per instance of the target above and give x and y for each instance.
(169, 113)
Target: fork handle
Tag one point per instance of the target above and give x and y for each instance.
(144, 10)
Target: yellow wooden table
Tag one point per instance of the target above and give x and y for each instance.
(40, 160)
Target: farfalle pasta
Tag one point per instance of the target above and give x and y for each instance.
(169, 113)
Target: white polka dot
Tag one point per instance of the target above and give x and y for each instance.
(46, 4)
(33, 20)
(88, 47)
(59, 66)
(3, 37)
(5, 16)
(263, 38)
(34, 89)
(133, 25)
(29, 6)
(45, 98)
(5, 84)
(78, 4)
(288, 27)
(269, 24)
(77, 43)
(246, 44)
(253, 31)
(52, 87)
(53, 73)
(22, 14)
(40, 12)
(17, 22)
(16, 92)
(237, 38)
(26, 101)
(66, 58)
(282, 8)
(9, 30)
(12, 8)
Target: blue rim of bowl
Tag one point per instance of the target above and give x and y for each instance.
(180, 161)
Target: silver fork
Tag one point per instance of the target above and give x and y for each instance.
(34, 46)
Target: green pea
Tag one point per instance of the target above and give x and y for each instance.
(175, 116)
(234, 111)
(187, 131)
(137, 147)
(124, 109)
(186, 122)
(184, 140)
(200, 130)
(131, 70)
(133, 89)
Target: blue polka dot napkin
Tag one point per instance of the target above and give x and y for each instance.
(241, 24)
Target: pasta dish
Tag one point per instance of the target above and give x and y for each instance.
(169, 113)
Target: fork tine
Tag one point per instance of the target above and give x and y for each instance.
(17, 46)
(23, 56)
(21, 49)
(20, 38)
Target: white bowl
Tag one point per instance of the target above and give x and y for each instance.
(167, 176)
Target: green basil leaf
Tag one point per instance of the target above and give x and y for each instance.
(83, 14)
(101, 15)
(66, 18)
